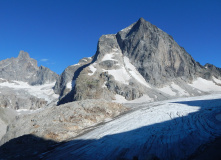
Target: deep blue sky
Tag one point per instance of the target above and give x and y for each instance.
(58, 33)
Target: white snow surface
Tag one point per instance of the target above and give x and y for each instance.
(171, 129)
(71, 84)
(121, 99)
(41, 91)
(27, 111)
(205, 85)
(167, 90)
(217, 80)
(134, 73)
(120, 75)
(93, 70)
(126, 72)
(110, 56)
(174, 89)
(75, 64)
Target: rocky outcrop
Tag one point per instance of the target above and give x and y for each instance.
(20, 100)
(23, 68)
(66, 80)
(7, 115)
(211, 71)
(59, 123)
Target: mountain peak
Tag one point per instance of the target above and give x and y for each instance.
(23, 68)
(142, 20)
(23, 54)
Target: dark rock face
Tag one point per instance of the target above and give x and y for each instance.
(44, 75)
(211, 70)
(23, 68)
(155, 54)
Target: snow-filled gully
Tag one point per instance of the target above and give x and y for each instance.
(169, 130)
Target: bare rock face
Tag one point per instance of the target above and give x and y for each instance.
(155, 54)
(23, 68)
(65, 81)
(20, 99)
(59, 123)
(139, 60)
(211, 71)
(6, 117)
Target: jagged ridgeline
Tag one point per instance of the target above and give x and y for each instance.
(23, 68)
(139, 60)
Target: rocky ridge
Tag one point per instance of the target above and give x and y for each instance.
(23, 68)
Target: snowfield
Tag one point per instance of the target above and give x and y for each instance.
(171, 129)
(40, 91)
(205, 85)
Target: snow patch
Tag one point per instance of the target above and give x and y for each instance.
(76, 64)
(40, 91)
(104, 85)
(93, 70)
(167, 90)
(121, 99)
(26, 111)
(217, 80)
(205, 85)
(110, 56)
(120, 75)
(134, 73)
(84, 59)
(69, 85)
(115, 49)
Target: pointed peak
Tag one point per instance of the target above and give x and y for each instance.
(23, 54)
(142, 20)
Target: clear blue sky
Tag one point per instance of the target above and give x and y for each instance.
(58, 33)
